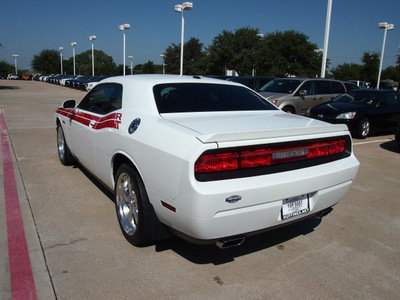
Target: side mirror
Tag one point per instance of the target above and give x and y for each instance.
(69, 104)
(303, 92)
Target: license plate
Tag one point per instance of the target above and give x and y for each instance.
(295, 206)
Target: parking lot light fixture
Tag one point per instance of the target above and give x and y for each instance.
(92, 38)
(15, 62)
(131, 58)
(163, 63)
(326, 38)
(386, 27)
(61, 58)
(123, 28)
(73, 44)
(181, 8)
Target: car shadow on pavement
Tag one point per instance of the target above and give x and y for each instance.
(96, 182)
(391, 146)
(211, 254)
(9, 87)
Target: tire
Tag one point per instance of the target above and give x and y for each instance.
(132, 206)
(64, 154)
(289, 110)
(363, 128)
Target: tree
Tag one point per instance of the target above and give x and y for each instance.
(6, 68)
(289, 53)
(391, 73)
(234, 51)
(193, 58)
(103, 63)
(347, 71)
(370, 68)
(148, 68)
(46, 62)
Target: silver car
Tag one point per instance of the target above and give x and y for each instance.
(297, 95)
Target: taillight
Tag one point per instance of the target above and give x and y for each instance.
(266, 156)
(217, 162)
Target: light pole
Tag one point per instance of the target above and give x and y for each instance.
(181, 8)
(131, 58)
(386, 26)
(123, 28)
(163, 63)
(61, 58)
(92, 38)
(73, 44)
(253, 73)
(15, 59)
(326, 39)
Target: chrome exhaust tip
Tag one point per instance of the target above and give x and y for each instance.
(230, 242)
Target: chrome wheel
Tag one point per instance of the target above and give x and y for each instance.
(127, 204)
(60, 143)
(364, 128)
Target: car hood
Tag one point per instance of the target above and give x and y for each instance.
(240, 126)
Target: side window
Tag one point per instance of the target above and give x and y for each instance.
(388, 100)
(308, 86)
(103, 99)
(337, 87)
(323, 87)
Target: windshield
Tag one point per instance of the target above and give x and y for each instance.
(359, 97)
(201, 97)
(286, 86)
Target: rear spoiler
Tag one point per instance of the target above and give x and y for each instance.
(273, 133)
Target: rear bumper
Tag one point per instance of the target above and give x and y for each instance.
(203, 213)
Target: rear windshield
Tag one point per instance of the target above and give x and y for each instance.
(202, 97)
(286, 86)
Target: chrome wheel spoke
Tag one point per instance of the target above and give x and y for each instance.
(127, 204)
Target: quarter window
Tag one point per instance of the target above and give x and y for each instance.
(103, 99)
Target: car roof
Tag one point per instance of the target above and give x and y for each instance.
(138, 89)
(161, 78)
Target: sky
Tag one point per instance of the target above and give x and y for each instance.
(27, 27)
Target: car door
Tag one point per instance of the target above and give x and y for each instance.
(307, 96)
(387, 112)
(324, 91)
(88, 118)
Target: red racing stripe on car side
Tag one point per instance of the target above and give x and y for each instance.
(110, 121)
(21, 276)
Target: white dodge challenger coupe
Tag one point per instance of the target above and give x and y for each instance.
(209, 160)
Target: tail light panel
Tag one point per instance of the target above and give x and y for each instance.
(272, 158)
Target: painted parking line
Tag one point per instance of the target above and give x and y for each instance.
(373, 141)
(21, 277)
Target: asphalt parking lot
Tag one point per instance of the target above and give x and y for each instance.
(76, 249)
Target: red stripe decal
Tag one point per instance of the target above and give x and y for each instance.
(109, 121)
(21, 277)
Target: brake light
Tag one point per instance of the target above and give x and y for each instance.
(217, 162)
(266, 156)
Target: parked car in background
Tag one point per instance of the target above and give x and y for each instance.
(209, 160)
(364, 111)
(93, 82)
(297, 95)
(254, 83)
(12, 76)
(361, 84)
(350, 85)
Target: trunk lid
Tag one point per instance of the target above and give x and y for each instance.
(240, 126)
